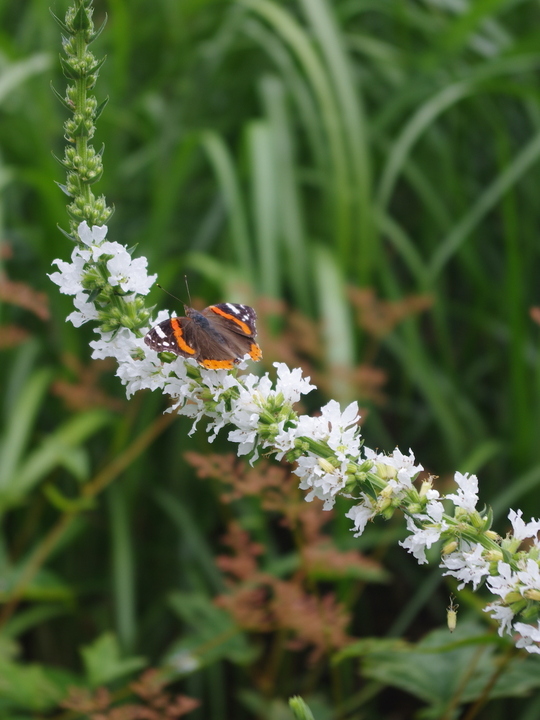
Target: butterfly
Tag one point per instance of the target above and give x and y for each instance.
(218, 337)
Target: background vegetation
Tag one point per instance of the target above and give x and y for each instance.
(364, 172)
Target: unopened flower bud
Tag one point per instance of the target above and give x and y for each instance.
(385, 472)
(325, 465)
(477, 520)
(493, 555)
(512, 597)
(449, 548)
(426, 486)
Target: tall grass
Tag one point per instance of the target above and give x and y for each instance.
(282, 151)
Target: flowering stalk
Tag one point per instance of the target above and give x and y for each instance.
(328, 451)
(110, 292)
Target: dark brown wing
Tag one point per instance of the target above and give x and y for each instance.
(239, 319)
(175, 335)
(236, 325)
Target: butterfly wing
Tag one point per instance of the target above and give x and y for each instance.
(237, 325)
(175, 335)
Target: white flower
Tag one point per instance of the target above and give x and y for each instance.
(362, 513)
(322, 479)
(402, 466)
(503, 614)
(344, 434)
(467, 495)
(529, 578)
(523, 530)
(530, 636)
(467, 566)
(504, 582)
(69, 277)
(421, 538)
(86, 311)
(291, 384)
(120, 345)
(129, 274)
(94, 236)
(435, 509)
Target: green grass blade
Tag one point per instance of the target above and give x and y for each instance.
(51, 452)
(224, 168)
(488, 199)
(288, 201)
(333, 47)
(20, 425)
(337, 323)
(264, 185)
(300, 44)
(123, 569)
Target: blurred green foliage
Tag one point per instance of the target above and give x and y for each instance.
(285, 153)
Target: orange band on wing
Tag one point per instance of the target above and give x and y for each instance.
(255, 352)
(179, 337)
(242, 325)
(217, 364)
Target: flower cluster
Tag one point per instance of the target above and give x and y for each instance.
(328, 452)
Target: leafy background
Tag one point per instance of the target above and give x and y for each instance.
(365, 174)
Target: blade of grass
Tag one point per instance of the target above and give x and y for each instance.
(123, 568)
(224, 168)
(264, 206)
(289, 204)
(337, 324)
(294, 35)
(487, 201)
(19, 427)
(364, 246)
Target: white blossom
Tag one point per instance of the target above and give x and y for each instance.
(502, 614)
(420, 539)
(130, 274)
(504, 582)
(322, 479)
(69, 275)
(426, 529)
(529, 576)
(467, 495)
(361, 514)
(522, 530)
(530, 636)
(85, 311)
(466, 565)
(91, 236)
(291, 384)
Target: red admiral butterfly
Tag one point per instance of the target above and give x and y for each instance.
(217, 338)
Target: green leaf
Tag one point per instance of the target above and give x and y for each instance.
(300, 709)
(12, 76)
(445, 669)
(32, 686)
(103, 663)
(23, 415)
(57, 449)
(45, 586)
(213, 634)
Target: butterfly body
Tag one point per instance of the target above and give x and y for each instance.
(218, 337)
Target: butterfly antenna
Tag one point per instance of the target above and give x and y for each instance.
(168, 293)
(187, 288)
